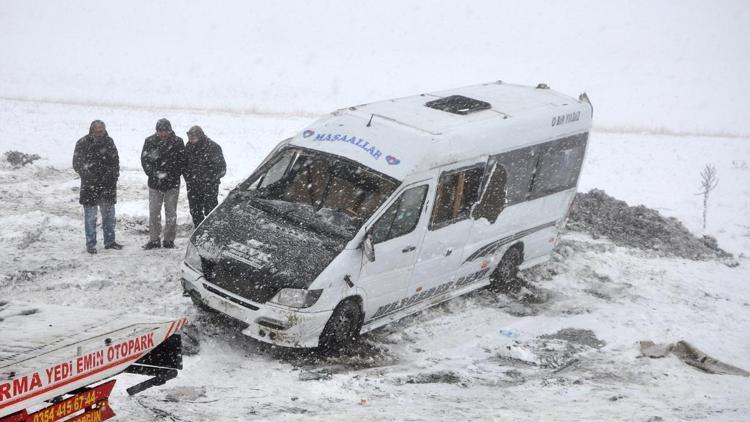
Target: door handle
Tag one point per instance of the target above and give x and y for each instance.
(408, 249)
(448, 251)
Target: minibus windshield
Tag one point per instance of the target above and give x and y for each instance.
(319, 190)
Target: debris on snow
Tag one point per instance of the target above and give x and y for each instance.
(652, 350)
(439, 377)
(577, 336)
(692, 356)
(557, 351)
(315, 375)
(19, 159)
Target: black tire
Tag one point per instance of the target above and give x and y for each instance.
(343, 327)
(505, 276)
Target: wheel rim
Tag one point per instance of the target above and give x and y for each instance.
(343, 325)
(508, 266)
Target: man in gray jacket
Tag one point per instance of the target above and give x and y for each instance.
(163, 160)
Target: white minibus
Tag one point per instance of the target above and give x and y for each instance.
(378, 211)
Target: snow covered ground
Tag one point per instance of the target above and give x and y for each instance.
(669, 88)
(478, 357)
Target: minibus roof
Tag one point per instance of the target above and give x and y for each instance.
(409, 135)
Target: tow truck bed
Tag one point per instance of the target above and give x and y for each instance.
(49, 351)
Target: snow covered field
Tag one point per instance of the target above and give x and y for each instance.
(450, 362)
(670, 95)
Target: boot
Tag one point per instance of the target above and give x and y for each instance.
(152, 245)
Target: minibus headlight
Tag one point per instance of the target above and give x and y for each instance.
(192, 259)
(297, 298)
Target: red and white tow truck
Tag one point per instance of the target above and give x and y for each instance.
(55, 360)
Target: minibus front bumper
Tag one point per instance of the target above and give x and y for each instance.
(267, 322)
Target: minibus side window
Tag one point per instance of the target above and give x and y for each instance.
(493, 196)
(456, 194)
(559, 165)
(401, 217)
(519, 167)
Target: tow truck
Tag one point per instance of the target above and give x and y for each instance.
(56, 362)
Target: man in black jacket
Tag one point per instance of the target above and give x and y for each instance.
(204, 168)
(163, 159)
(96, 160)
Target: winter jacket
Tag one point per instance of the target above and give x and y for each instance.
(98, 164)
(163, 161)
(204, 163)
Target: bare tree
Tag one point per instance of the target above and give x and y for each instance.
(708, 183)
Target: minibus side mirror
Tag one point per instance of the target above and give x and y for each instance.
(368, 247)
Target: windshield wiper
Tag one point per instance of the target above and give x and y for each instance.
(269, 205)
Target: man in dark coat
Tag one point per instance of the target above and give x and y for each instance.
(96, 160)
(204, 168)
(163, 159)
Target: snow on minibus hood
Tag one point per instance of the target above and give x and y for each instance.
(270, 250)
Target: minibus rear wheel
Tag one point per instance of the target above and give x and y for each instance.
(343, 327)
(505, 276)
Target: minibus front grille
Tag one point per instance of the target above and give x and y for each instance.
(230, 298)
(241, 279)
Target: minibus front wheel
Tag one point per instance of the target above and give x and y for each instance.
(343, 327)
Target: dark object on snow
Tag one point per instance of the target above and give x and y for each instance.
(315, 375)
(163, 160)
(692, 356)
(439, 377)
(98, 164)
(204, 168)
(640, 227)
(577, 336)
(19, 159)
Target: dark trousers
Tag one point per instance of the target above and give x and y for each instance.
(202, 198)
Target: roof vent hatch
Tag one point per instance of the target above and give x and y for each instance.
(458, 104)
